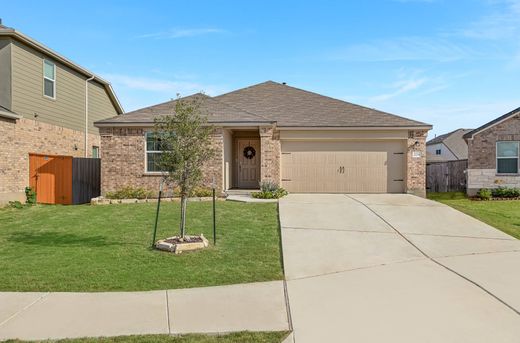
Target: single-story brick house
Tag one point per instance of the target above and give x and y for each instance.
(301, 140)
(493, 153)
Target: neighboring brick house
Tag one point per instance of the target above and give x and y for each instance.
(447, 147)
(301, 140)
(493, 153)
(47, 106)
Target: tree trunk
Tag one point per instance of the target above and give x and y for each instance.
(184, 201)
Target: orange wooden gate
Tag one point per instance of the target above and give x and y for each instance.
(51, 177)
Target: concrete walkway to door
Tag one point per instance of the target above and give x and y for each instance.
(396, 268)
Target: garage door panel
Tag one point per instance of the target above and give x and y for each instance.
(343, 166)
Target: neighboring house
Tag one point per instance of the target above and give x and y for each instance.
(303, 141)
(448, 147)
(47, 106)
(493, 153)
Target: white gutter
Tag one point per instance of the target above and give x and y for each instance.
(86, 113)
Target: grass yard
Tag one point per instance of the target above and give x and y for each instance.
(239, 337)
(503, 214)
(107, 247)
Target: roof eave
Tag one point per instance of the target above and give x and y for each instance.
(42, 48)
(496, 121)
(394, 127)
(9, 115)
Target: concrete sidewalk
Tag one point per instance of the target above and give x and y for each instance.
(222, 309)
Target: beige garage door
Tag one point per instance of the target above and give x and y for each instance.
(343, 166)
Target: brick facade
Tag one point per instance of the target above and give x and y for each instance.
(21, 137)
(123, 162)
(416, 163)
(482, 156)
(270, 155)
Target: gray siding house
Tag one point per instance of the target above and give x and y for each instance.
(48, 105)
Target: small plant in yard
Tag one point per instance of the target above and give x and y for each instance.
(185, 140)
(30, 196)
(130, 192)
(506, 192)
(484, 194)
(16, 204)
(269, 190)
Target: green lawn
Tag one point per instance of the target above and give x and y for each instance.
(504, 215)
(239, 337)
(107, 247)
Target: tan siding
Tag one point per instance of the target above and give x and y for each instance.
(100, 105)
(68, 109)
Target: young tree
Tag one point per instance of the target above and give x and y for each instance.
(185, 139)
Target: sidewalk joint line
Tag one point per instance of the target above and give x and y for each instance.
(458, 236)
(439, 263)
(480, 253)
(24, 308)
(372, 266)
(168, 312)
(340, 230)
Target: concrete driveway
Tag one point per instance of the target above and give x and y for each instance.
(397, 268)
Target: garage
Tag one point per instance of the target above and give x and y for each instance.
(344, 166)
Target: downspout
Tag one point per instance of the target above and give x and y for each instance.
(86, 114)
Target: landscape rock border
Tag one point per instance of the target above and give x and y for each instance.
(104, 201)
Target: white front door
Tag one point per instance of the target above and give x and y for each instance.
(248, 163)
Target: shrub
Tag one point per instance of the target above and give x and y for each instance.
(202, 192)
(130, 192)
(484, 194)
(505, 192)
(16, 204)
(269, 190)
(30, 196)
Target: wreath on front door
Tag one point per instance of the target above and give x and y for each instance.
(249, 152)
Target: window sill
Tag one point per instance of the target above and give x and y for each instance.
(153, 174)
(507, 174)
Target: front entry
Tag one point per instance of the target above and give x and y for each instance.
(248, 162)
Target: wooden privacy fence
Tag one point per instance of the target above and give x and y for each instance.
(447, 176)
(63, 179)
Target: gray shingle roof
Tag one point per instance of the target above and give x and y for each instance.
(216, 111)
(274, 102)
(454, 141)
(290, 106)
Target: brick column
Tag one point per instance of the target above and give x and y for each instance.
(416, 163)
(270, 151)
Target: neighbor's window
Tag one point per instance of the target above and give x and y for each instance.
(507, 157)
(154, 150)
(438, 152)
(95, 152)
(49, 79)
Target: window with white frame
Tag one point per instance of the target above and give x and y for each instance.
(438, 152)
(154, 149)
(49, 79)
(507, 157)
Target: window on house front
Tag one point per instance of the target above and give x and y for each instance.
(154, 149)
(507, 157)
(49, 79)
(438, 152)
(95, 152)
